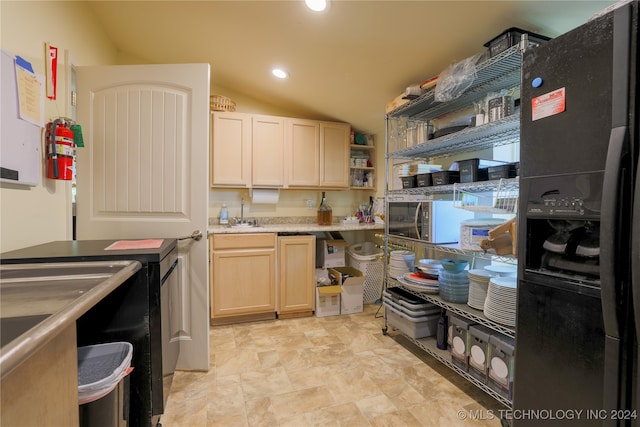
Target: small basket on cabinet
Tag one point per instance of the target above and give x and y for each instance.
(221, 103)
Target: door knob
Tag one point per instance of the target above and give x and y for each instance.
(196, 235)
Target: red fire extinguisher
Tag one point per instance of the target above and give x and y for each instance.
(60, 150)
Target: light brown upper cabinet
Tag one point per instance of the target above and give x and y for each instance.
(317, 154)
(334, 154)
(268, 151)
(303, 153)
(230, 150)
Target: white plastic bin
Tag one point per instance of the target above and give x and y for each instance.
(103, 386)
(367, 258)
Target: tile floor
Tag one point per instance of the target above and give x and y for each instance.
(329, 371)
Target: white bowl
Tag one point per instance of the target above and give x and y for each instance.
(430, 263)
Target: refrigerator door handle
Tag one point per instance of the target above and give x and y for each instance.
(609, 246)
(609, 251)
(635, 276)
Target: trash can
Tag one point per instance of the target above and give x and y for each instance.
(367, 258)
(103, 384)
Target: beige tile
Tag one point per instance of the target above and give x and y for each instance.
(374, 406)
(401, 418)
(229, 362)
(332, 371)
(298, 402)
(346, 414)
(260, 412)
(265, 383)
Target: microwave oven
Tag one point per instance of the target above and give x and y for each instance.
(433, 221)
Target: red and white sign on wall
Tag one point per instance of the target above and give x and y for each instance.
(549, 104)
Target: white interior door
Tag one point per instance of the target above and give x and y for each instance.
(143, 173)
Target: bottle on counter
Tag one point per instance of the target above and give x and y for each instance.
(224, 214)
(325, 213)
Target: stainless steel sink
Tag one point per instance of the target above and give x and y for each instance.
(245, 224)
(39, 300)
(54, 285)
(12, 327)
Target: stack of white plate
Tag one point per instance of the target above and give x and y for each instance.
(401, 262)
(417, 283)
(502, 270)
(478, 285)
(500, 305)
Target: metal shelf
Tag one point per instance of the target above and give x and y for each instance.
(501, 132)
(444, 356)
(454, 248)
(500, 72)
(493, 75)
(460, 309)
(470, 187)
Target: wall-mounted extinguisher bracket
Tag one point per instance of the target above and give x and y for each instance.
(60, 149)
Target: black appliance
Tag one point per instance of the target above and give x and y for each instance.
(576, 345)
(136, 312)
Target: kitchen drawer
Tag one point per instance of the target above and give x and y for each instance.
(244, 241)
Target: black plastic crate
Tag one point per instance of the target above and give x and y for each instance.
(445, 177)
(511, 37)
(472, 170)
(423, 180)
(503, 171)
(408, 181)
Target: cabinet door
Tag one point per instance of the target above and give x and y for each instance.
(296, 274)
(303, 153)
(267, 151)
(334, 154)
(230, 150)
(243, 282)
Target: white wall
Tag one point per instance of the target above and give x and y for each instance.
(34, 215)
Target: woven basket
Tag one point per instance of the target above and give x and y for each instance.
(222, 103)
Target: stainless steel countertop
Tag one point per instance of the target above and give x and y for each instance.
(294, 228)
(55, 295)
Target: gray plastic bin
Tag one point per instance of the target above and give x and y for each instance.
(103, 384)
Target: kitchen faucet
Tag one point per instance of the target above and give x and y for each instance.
(242, 210)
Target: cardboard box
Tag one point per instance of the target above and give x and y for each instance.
(352, 282)
(330, 253)
(328, 300)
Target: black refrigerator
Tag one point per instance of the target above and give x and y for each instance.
(578, 311)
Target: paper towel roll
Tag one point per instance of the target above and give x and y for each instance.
(265, 196)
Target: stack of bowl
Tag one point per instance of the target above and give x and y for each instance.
(429, 268)
(454, 280)
(401, 262)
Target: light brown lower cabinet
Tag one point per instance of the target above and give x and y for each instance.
(243, 272)
(296, 275)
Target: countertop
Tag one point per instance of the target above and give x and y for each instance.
(85, 250)
(294, 228)
(39, 300)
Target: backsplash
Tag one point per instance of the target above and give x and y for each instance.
(280, 220)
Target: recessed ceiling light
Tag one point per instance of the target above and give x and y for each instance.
(316, 5)
(279, 73)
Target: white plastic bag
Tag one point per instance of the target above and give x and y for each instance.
(456, 78)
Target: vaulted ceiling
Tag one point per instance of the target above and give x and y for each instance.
(345, 63)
